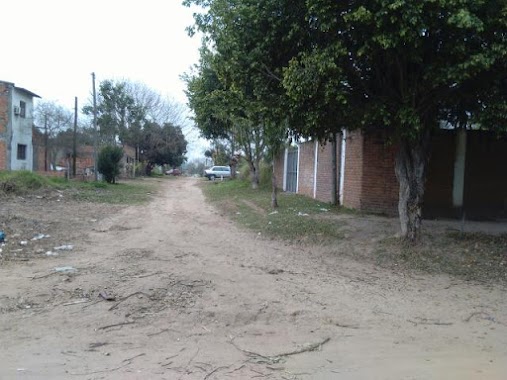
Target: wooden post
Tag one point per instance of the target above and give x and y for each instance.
(74, 142)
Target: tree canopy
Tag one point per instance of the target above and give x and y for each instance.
(237, 92)
(133, 114)
(401, 67)
(163, 145)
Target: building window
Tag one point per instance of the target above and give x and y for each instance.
(21, 152)
(22, 109)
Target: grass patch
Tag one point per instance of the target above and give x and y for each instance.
(21, 182)
(297, 218)
(472, 256)
(132, 192)
(26, 183)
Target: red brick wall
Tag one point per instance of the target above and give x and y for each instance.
(352, 186)
(306, 168)
(380, 189)
(3, 155)
(4, 120)
(38, 150)
(370, 182)
(325, 171)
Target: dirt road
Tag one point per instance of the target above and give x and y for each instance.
(197, 298)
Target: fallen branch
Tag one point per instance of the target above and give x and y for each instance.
(128, 362)
(127, 297)
(215, 370)
(488, 317)
(133, 357)
(149, 275)
(170, 362)
(311, 347)
(44, 276)
(190, 285)
(428, 322)
(102, 371)
(161, 332)
(277, 358)
(115, 325)
(345, 326)
(237, 369)
(76, 302)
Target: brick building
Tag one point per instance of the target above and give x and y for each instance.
(16, 120)
(466, 173)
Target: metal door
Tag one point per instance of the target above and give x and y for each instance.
(292, 170)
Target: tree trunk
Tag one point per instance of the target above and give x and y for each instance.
(410, 167)
(254, 175)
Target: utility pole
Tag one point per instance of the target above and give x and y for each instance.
(74, 142)
(95, 142)
(45, 143)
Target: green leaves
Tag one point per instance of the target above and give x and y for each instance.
(465, 19)
(163, 144)
(324, 65)
(108, 162)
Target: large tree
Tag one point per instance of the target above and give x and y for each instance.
(163, 144)
(119, 116)
(133, 114)
(238, 93)
(401, 66)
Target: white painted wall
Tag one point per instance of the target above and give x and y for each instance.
(315, 168)
(342, 164)
(21, 131)
(286, 153)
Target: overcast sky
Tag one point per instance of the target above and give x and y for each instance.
(51, 47)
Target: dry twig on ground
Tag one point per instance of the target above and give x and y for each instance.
(277, 358)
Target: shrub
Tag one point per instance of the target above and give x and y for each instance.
(109, 162)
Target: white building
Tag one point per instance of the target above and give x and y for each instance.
(16, 121)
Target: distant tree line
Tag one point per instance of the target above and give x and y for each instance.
(128, 113)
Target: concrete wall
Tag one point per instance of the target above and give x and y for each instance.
(22, 132)
(15, 129)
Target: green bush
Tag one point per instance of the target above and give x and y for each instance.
(265, 175)
(108, 162)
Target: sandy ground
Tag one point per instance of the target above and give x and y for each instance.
(197, 298)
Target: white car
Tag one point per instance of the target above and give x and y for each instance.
(218, 172)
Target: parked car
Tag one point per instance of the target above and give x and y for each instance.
(218, 172)
(173, 172)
